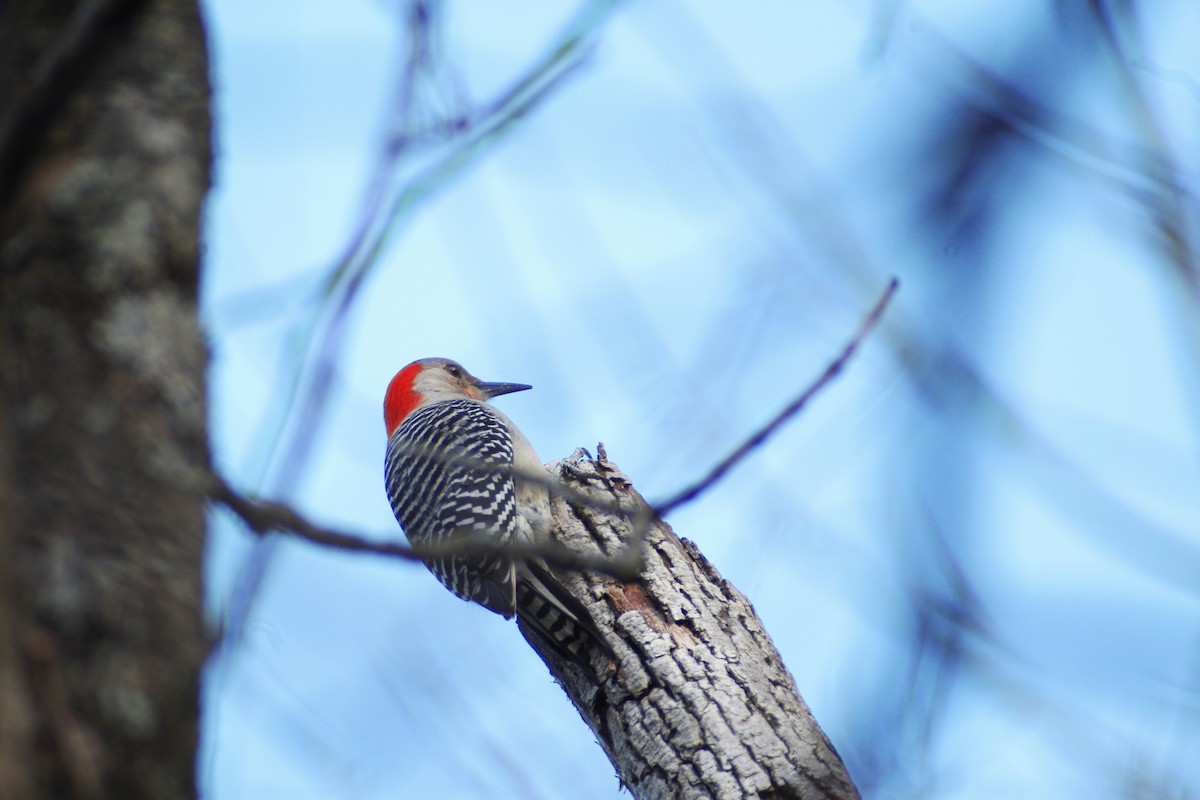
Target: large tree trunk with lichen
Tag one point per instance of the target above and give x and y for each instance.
(695, 701)
(104, 164)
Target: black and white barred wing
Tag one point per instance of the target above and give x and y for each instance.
(449, 475)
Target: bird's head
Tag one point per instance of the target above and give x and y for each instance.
(431, 380)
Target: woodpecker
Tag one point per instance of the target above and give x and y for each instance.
(455, 466)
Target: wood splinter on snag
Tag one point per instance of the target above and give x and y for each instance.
(694, 700)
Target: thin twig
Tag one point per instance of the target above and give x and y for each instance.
(263, 516)
(749, 445)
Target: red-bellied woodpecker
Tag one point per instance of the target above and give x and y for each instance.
(455, 466)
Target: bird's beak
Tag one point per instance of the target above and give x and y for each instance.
(491, 390)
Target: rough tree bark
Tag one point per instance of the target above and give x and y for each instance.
(104, 165)
(698, 702)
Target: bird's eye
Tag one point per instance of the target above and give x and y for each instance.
(454, 370)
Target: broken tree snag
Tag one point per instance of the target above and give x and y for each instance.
(695, 701)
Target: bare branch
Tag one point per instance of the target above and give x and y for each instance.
(749, 445)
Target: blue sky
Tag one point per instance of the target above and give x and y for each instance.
(670, 247)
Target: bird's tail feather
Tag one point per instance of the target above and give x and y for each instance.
(546, 610)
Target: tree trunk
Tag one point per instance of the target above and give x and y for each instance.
(697, 702)
(104, 165)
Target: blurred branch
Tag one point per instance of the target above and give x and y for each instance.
(1147, 175)
(320, 343)
(1142, 166)
(1168, 205)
